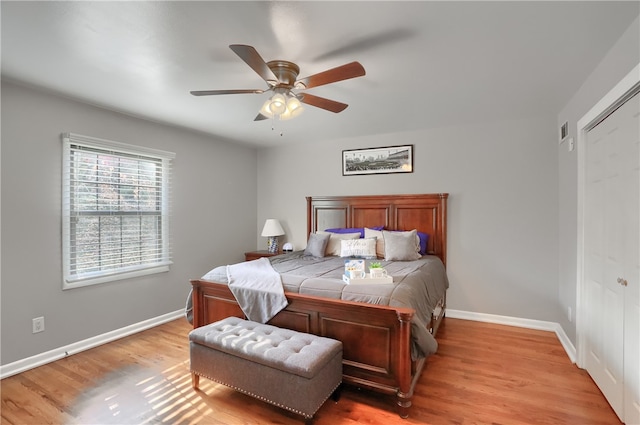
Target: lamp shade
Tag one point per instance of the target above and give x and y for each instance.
(272, 227)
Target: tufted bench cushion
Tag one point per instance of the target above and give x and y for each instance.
(294, 370)
(290, 351)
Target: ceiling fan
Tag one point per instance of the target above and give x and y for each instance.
(282, 79)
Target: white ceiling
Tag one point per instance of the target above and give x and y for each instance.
(428, 64)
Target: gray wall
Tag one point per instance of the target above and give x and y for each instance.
(618, 62)
(503, 206)
(214, 182)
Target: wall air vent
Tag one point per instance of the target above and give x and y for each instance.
(564, 132)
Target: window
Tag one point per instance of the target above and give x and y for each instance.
(115, 211)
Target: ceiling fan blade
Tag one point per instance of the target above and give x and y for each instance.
(255, 61)
(366, 43)
(321, 102)
(260, 117)
(216, 92)
(344, 72)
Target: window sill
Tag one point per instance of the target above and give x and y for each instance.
(88, 281)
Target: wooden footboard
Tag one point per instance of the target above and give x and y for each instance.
(376, 339)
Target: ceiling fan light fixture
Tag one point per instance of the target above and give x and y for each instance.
(282, 106)
(277, 104)
(294, 108)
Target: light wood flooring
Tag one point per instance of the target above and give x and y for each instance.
(482, 374)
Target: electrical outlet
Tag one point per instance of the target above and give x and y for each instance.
(38, 324)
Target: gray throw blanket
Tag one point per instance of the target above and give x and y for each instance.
(257, 288)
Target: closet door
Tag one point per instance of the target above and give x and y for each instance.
(611, 273)
(630, 279)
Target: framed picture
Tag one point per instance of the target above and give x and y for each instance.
(389, 159)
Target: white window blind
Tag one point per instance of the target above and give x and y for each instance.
(116, 210)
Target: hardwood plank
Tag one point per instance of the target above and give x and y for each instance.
(482, 374)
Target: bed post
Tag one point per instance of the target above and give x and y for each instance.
(442, 227)
(405, 391)
(309, 213)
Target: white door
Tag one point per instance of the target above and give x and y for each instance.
(630, 131)
(611, 273)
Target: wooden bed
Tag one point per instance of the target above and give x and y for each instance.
(384, 363)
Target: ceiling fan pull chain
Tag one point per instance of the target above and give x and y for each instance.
(274, 119)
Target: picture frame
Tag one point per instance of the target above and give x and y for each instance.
(382, 160)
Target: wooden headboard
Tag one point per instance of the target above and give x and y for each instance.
(427, 213)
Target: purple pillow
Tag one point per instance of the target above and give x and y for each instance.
(352, 230)
(424, 239)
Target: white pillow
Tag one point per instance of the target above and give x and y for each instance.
(362, 248)
(370, 233)
(333, 247)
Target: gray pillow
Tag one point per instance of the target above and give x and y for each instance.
(317, 244)
(400, 246)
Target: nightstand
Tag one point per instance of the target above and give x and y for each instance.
(254, 255)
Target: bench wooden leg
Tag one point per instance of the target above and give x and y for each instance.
(335, 396)
(195, 380)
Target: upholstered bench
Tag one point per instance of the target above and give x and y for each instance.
(293, 370)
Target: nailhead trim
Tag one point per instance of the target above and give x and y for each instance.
(291, 409)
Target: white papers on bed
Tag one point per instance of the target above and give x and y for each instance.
(257, 288)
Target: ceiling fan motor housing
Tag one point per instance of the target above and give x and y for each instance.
(286, 72)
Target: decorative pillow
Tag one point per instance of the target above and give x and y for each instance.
(400, 246)
(361, 248)
(373, 233)
(424, 239)
(317, 244)
(352, 230)
(333, 246)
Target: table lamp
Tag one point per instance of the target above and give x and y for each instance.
(272, 229)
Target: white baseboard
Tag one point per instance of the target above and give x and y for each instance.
(58, 353)
(521, 323)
